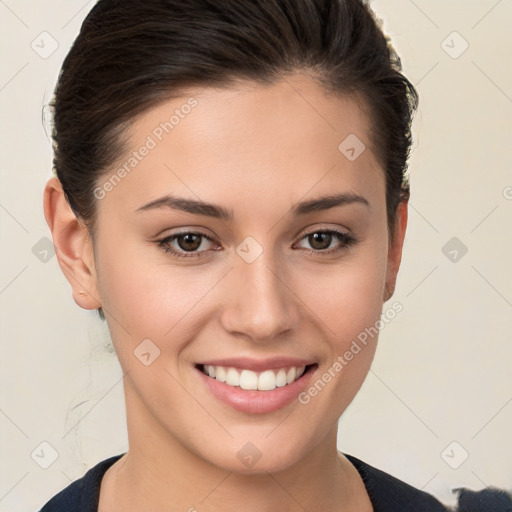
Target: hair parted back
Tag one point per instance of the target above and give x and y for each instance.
(132, 55)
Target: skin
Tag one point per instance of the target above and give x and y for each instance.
(257, 151)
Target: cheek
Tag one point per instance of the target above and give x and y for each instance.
(145, 297)
(348, 299)
(348, 296)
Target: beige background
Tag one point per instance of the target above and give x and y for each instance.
(442, 372)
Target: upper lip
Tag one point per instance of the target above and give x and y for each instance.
(258, 365)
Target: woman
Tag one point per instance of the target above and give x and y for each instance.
(231, 196)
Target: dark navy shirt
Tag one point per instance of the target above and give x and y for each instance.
(387, 493)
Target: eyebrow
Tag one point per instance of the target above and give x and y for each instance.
(211, 210)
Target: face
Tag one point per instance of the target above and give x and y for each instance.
(256, 282)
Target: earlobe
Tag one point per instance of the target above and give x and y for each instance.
(395, 249)
(73, 246)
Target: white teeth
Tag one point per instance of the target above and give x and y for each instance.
(220, 373)
(232, 377)
(281, 378)
(290, 376)
(247, 379)
(267, 381)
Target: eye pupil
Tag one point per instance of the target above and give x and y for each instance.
(320, 237)
(189, 244)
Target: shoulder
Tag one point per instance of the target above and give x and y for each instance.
(82, 495)
(388, 493)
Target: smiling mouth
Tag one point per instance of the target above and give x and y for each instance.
(267, 380)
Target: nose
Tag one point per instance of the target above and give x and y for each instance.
(261, 304)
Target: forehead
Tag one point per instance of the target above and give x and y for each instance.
(279, 140)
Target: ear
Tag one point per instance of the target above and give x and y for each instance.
(395, 249)
(73, 246)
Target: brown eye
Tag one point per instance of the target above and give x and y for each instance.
(184, 244)
(189, 241)
(320, 241)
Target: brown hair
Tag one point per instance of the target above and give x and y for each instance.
(131, 55)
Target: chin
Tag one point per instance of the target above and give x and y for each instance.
(259, 457)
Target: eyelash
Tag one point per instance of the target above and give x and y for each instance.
(346, 239)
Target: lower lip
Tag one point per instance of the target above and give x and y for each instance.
(254, 401)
